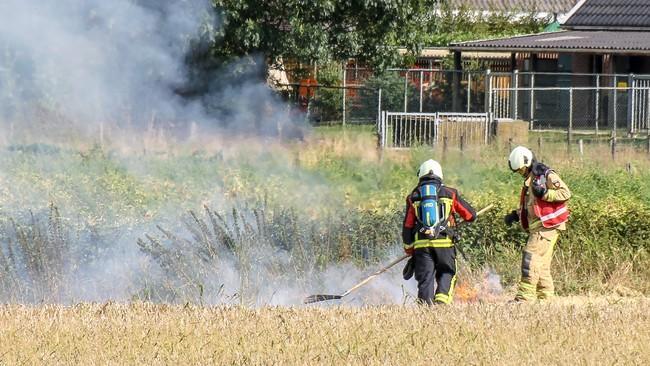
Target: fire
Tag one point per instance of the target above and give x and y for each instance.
(471, 289)
(465, 292)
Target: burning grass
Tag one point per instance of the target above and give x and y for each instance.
(330, 201)
(565, 331)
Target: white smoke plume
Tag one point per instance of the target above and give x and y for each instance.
(83, 68)
(108, 72)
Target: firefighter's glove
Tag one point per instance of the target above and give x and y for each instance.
(410, 251)
(409, 269)
(539, 191)
(511, 218)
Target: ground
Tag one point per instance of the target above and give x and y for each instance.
(583, 330)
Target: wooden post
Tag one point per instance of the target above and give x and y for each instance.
(613, 144)
(462, 142)
(581, 148)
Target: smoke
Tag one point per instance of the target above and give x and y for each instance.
(116, 73)
(80, 69)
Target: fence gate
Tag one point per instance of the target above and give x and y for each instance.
(404, 130)
(640, 104)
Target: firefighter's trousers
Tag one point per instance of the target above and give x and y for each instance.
(536, 280)
(435, 268)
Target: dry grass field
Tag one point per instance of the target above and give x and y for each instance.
(572, 330)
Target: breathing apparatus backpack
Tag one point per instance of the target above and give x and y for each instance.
(430, 213)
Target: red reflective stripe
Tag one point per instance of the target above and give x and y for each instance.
(551, 213)
(555, 214)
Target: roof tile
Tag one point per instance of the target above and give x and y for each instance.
(611, 14)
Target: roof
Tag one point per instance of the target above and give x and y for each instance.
(564, 41)
(610, 14)
(542, 6)
(441, 52)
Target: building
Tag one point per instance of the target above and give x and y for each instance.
(599, 36)
(600, 56)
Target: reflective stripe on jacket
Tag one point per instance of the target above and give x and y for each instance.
(550, 211)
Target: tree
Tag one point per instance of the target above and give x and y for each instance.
(321, 30)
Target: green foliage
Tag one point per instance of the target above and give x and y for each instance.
(327, 102)
(316, 203)
(321, 30)
(457, 24)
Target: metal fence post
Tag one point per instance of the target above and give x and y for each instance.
(406, 80)
(597, 102)
(532, 100)
(344, 81)
(630, 104)
(570, 129)
(615, 102)
(421, 86)
(515, 99)
(469, 90)
(379, 106)
(488, 91)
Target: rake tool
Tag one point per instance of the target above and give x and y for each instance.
(317, 298)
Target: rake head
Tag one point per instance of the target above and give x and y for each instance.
(318, 298)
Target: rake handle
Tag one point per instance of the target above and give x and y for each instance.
(396, 261)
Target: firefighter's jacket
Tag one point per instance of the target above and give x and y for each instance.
(557, 193)
(452, 203)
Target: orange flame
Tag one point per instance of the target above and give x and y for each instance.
(465, 293)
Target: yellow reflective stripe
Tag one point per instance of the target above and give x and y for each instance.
(526, 286)
(526, 291)
(442, 298)
(408, 246)
(453, 282)
(416, 205)
(438, 243)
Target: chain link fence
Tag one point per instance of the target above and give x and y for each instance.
(328, 105)
(598, 104)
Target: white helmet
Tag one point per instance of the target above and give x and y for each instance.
(520, 157)
(430, 167)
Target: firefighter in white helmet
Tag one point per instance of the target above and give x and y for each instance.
(543, 214)
(428, 233)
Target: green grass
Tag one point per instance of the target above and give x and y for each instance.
(335, 186)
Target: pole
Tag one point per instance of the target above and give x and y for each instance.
(421, 86)
(597, 102)
(570, 128)
(532, 100)
(379, 106)
(630, 104)
(613, 139)
(406, 80)
(581, 148)
(488, 92)
(469, 90)
(515, 99)
(344, 93)
(615, 103)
